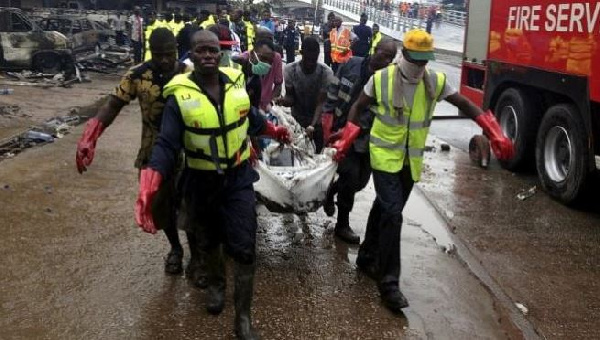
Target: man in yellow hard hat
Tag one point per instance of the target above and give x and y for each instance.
(403, 96)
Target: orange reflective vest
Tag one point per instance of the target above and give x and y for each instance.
(340, 45)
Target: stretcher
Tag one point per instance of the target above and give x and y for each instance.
(293, 178)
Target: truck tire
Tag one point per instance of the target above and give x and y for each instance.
(519, 119)
(562, 153)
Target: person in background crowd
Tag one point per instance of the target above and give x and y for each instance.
(145, 82)
(250, 29)
(326, 42)
(396, 146)
(153, 24)
(239, 27)
(205, 19)
(119, 27)
(361, 47)
(184, 36)
(306, 84)
(291, 41)
(267, 22)
(341, 41)
(376, 38)
(137, 34)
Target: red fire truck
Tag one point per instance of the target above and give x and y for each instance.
(536, 64)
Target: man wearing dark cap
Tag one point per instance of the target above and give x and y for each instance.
(145, 82)
(403, 96)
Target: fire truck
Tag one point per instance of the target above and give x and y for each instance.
(536, 65)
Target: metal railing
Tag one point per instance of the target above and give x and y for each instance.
(455, 17)
(392, 21)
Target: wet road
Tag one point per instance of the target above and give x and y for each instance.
(75, 266)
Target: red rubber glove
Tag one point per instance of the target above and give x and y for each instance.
(280, 133)
(349, 133)
(502, 146)
(86, 147)
(150, 181)
(326, 123)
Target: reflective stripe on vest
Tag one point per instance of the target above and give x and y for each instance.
(205, 147)
(395, 133)
(340, 45)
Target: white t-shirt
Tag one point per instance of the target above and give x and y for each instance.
(409, 90)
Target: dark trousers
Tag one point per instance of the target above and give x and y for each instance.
(354, 173)
(334, 67)
(137, 51)
(290, 53)
(221, 211)
(382, 239)
(327, 55)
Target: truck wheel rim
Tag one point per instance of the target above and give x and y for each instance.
(558, 153)
(509, 122)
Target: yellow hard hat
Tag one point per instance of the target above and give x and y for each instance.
(418, 44)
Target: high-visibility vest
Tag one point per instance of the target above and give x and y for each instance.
(374, 42)
(213, 140)
(250, 33)
(207, 22)
(392, 135)
(147, 33)
(340, 45)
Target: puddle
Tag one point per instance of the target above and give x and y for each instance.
(420, 213)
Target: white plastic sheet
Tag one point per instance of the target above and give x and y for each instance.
(293, 178)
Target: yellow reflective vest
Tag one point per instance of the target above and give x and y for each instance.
(215, 138)
(376, 39)
(394, 134)
(250, 32)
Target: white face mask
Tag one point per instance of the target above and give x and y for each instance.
(413, 72)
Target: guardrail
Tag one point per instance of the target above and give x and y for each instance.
(455, 17)
(390, 21)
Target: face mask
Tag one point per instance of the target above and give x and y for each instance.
(412, 72)
(260, 68)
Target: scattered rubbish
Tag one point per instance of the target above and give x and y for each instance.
(429, 148)
(48, 210)
(38, 137)
(479, 150)
(525, 194)
(12, 111)
(6, 91)
(6, 187)
(445, 147)
(59, 126)
(522, 308)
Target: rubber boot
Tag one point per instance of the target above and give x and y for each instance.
(329, 204)
(215, 264)
(244, 287)
(196, 269)
(342, 228)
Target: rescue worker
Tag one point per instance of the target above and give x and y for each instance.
(327, 28)
(205, 19)
(153, 23)
(145, 82)
(376, 39)
(355, 169)
(184, 36)
(251, 32)
(403, 97)
(208, 115)
(177, 24)
(341, 39)
(365, 36)
(239, 27)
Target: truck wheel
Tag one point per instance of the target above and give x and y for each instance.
(519, 119)
(562, 153)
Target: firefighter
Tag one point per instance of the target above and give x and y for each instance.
(205, 19)
(355, 169)
(145, 82)
(208, 115)
(341, 42)
(403, 114)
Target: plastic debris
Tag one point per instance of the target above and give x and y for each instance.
(445, 147)
(522, 308)
(6, 91)
(525, 194)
